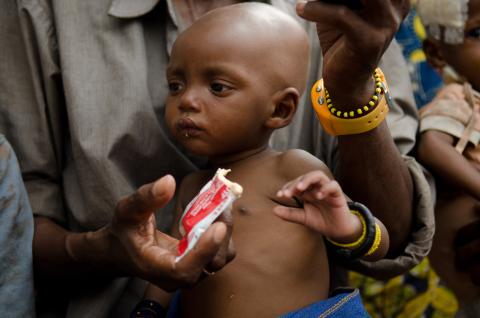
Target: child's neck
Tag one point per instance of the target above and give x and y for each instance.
(225, 161)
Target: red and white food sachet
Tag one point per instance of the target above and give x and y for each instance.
(213, 199)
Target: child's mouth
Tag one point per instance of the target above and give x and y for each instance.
(187, 127)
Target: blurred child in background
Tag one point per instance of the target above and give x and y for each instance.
(450, 134)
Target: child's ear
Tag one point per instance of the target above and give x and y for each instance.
(433, 53)
(284, 104)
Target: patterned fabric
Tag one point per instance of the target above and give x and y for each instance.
(417, 294)
(425, 80)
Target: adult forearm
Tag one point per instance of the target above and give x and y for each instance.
(129, 245)
(372, 171)
(53, 263)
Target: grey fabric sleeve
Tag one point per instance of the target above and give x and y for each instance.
(423, 227)
(31, 103)
(402, 119)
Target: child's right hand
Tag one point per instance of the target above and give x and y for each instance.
(325, 208)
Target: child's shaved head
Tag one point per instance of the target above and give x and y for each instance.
(275, 43)
(234, 76)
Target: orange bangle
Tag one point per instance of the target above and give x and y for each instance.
(360, 120)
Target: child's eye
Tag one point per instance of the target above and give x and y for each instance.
(219, 88)
(474, 33)
(174, 87)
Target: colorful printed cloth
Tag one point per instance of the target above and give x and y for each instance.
(417, 294)
(425, 80)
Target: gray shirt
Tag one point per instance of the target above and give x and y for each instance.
(82, 91)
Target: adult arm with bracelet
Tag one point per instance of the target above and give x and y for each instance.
(370, 168)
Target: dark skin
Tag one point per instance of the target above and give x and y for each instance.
(394, 208)
(273, 256)
(352, 45)
(129, 245)
(457, 207)
(437, 150)
(456, 173)
(262, 269)
(231, 112)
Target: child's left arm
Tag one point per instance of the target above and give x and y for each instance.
(325, 210)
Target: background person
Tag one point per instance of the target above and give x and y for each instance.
(450, 128)
(16, 234)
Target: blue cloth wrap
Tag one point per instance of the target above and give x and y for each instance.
(344, 303)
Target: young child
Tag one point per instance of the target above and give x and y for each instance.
(450, 134)
(235, 76)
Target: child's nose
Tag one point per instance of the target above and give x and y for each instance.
(190, 101)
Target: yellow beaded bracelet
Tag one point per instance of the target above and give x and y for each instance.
(376, 241)
(360, 240)
(362, 119)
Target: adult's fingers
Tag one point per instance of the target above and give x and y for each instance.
(335, 15)
(402, 8)
(158, 261)
(139, 206)
(192, 264)
(226, 251)
(225, 254)
(390, 10)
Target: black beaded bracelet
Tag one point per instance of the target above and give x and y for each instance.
(351, 254)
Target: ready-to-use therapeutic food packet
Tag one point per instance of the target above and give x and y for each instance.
(213, 199)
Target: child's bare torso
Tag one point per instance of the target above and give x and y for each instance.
(279, 267)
